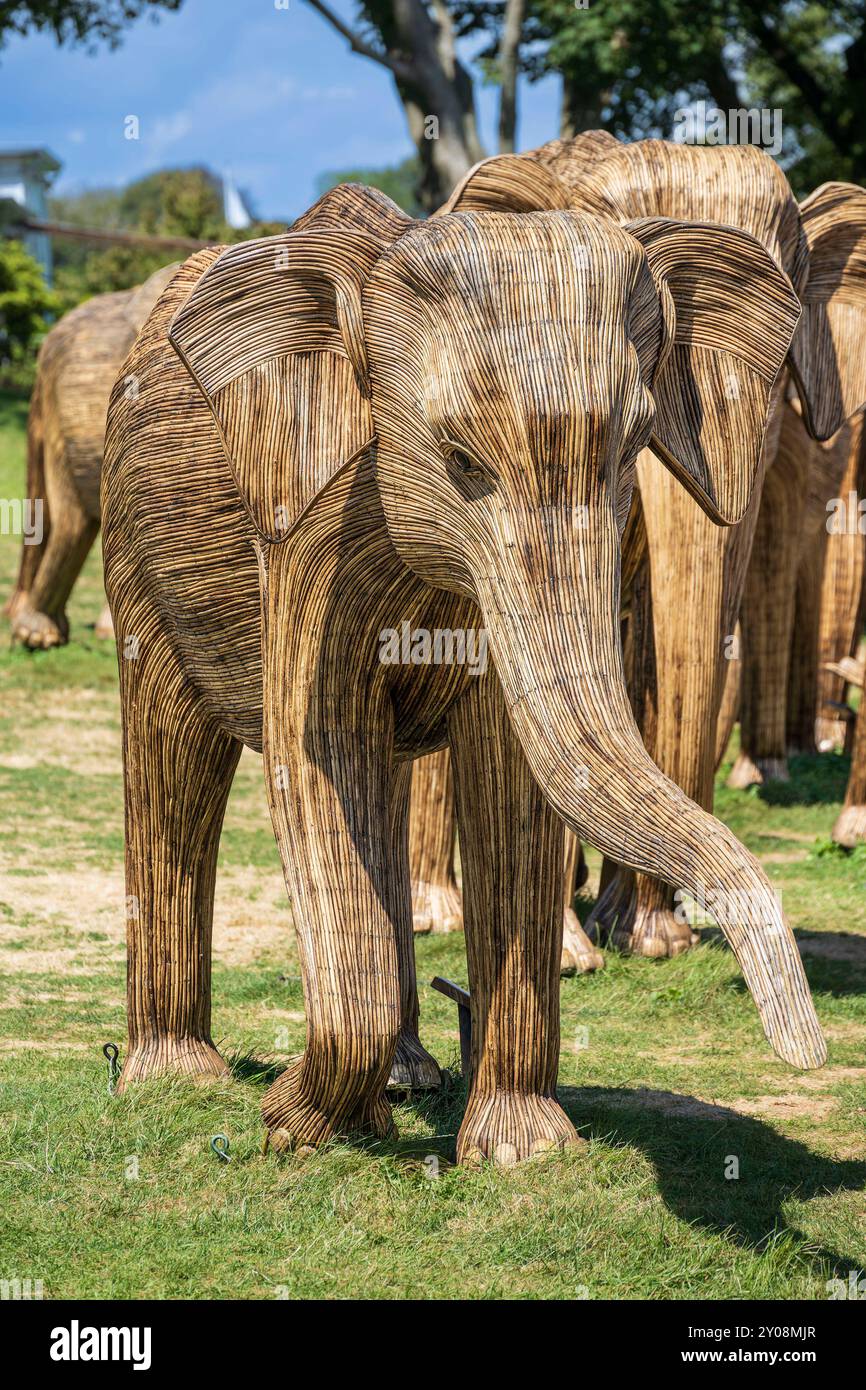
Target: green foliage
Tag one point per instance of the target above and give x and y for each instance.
(400, 183)
(101, 272)
(182, 202)
(77, 21)
(629, 65)
(25, 306)
(169, 202)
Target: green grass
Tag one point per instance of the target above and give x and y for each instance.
(125, 1199)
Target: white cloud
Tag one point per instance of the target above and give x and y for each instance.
(166, 131)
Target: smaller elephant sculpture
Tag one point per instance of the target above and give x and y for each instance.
(373, 421)
(77, 366)
(801, 603)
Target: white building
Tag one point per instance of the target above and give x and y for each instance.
(25, 177)
(235, 210)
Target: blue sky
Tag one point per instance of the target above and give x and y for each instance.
(272, 96)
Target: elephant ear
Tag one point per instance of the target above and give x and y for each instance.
(354, 205)
(273, 336)
(570, 159)
(736, 314)
(828, 358)
(508, 183)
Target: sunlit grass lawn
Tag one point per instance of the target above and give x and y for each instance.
(674, 1089)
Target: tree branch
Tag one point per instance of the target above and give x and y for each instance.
(404, 72)
(722, 87)
(788, 62)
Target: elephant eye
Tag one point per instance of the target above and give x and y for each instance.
(467, 465)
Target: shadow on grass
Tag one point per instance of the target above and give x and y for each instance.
(817, 779)
(261, 1071)
(691, 1143)
(442, 1110)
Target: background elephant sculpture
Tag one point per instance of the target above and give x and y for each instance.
(76, 369)
(372, 421)
(802, 600)
(688, 575)
(850, 827)
(842, 601)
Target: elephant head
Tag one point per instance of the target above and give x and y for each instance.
(820, 244)
(509, 369)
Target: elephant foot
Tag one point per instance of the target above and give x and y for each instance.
(36, 630)
(104, 624)
(615, 904)
(296, 1122)
(413, 1069)
(506, 1128)
(748, 772)
(579, 956)
(657, 934)
(171, 1057)
(436, 907)
(850, 827)
(830, 734)
(636, 915)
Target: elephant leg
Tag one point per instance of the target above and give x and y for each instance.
(178, 769)
(730, 702)
(638, 914)
(413, 1068)
(39, 618)
(104, 624)
(767, 613)
(32, 547)
(802, 699)
(512, 847)
(850, 827)
(436, 901)
(842, 596)
(579, 955)
(328, 744)
(329, 788)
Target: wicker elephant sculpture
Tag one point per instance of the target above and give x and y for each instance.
(369, 422)
(687, 574)
(77, 366)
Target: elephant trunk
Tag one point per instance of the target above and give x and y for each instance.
(551, 609)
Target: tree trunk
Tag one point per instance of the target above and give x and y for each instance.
(418, 48)
(508, 56)
(438, 97)
(577, 112)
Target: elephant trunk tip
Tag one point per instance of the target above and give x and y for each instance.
(805, 1048)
